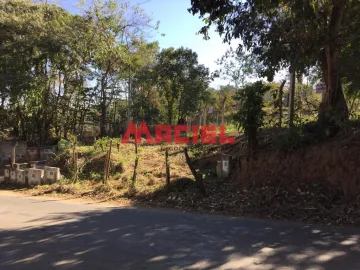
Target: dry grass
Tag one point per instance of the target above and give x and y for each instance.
(150, 174)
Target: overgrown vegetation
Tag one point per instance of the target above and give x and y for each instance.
(78, 79)
(250, 116)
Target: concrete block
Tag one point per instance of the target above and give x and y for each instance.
(46, 153)
(21, 176)
(7, 170)
(20, 166)
(13, 177)
(223, 167)
(51, 174)
(35, 176)
(33, 153)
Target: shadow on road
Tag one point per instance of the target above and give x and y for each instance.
(127, 238)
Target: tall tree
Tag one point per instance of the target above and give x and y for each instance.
(292, 33)
(115, 29)
(237, 67)
(181, 81)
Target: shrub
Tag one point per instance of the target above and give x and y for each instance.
(102, 143)
(250, 115)
(63, 145)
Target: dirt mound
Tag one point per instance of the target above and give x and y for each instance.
(333, 162)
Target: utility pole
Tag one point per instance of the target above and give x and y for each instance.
(291, 96)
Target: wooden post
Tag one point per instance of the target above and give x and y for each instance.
(167, 169)
(108, 162)
(105, 167)
(198, 177)
(76, 167)
(136, 161)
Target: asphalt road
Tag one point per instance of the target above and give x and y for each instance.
(38, 233)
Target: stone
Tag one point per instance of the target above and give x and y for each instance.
(21, 176)
(7, 170)
(223, 166)
(33, 153)
(46, 153)
(19, 166)
(13, 177)
(35, 176)
(51, 174)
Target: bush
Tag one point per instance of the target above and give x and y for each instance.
(63, 145)
(250, 116)
(289, 139)
(102, 143)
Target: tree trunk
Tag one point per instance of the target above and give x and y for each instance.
(103, 110)
(135, 165)
(334, 106)
(223, 110)
(281, 91)
(170, 112)
(198, 177)
(292, 98)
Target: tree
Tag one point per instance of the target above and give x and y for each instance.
(61, 72)
(146, 103)
(181, 81)
(250, 115)
(293, 33)
(33, 49)
(237, 67)
(117, 32)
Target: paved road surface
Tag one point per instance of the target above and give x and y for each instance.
(48, 234)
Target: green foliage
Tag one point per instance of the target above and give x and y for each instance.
(300, 34)
(199, 150)
(251, 114)
(181, 80)
(95, 176)
(63, 145)
(102, 144)
(62, 160)
(237, 66)
(48, 56)
(288, 140)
